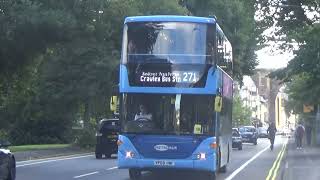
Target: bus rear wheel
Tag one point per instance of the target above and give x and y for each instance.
(134, 174)
(223, 169)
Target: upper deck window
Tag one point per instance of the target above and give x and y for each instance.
(168, 42)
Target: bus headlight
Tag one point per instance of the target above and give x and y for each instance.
(213, 145)
(201, 156)
(129, 154)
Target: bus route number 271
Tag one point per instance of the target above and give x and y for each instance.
(185, 77)
(189, 77)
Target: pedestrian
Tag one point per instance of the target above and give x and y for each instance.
(300, 130)
(308, 133)
(271, 134)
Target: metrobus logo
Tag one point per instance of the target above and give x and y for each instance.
(163, 147)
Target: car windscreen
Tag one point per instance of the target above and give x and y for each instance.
(235, 133)
(109, 126)
(246, 129)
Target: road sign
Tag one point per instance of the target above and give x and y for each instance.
(308, 108)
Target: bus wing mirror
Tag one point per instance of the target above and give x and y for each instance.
(218, 104)
(197, 129)
(113, 103)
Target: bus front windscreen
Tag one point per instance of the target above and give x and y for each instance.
(167, 114)
(168, 42)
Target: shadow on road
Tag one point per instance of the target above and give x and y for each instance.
(185, 175)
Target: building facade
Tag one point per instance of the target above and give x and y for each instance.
(283, 120)
(251, 98)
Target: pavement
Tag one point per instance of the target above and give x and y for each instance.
(301, 164)
(253, 162)
(47, 153)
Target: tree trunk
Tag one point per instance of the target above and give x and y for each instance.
(87, 112)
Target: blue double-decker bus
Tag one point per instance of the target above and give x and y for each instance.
(175, 95)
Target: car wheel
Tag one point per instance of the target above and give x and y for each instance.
(255, 142)
(240, 147)
(108, 155)
(98, 155)
(134, 174)
(12, 170)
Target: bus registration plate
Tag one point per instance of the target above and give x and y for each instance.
(163, 163)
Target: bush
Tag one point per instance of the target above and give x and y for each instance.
(22, 138)
(85, 138)
(3, 135)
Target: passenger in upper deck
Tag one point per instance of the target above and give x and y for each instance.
(143, 115)
(131, 47)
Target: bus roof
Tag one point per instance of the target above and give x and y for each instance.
(170, 18)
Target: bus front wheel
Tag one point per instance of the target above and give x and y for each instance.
(223, 169)
(134, 174)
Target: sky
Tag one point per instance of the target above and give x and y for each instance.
(270, 60)
(270, 57)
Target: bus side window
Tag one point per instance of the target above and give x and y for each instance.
(220, 48)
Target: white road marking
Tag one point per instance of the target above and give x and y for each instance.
(112, 168)
(287, 165)
(88, 174)
(52, 160)
(245, 164)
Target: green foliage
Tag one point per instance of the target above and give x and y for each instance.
(58, 59)
(3, 135)
(301, 90)
(237, 20)
(86, 137)
(296, 25)
(38, 147)
(240, 113)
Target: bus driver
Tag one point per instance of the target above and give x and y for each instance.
(143, 115)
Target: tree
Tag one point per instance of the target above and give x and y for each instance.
(237, 21)
(57, 62)
(298, 29)
(58, 58)
(301, 92)
(241, 114)
(27, 30)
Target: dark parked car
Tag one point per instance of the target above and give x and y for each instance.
(236, 139)
(262, 131)
(249, 134)
(7, 162)
(107, 136)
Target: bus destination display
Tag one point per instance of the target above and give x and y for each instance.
(169, 77)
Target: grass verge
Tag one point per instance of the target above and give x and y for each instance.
(37, 147)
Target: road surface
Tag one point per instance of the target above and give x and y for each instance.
(253, 162)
